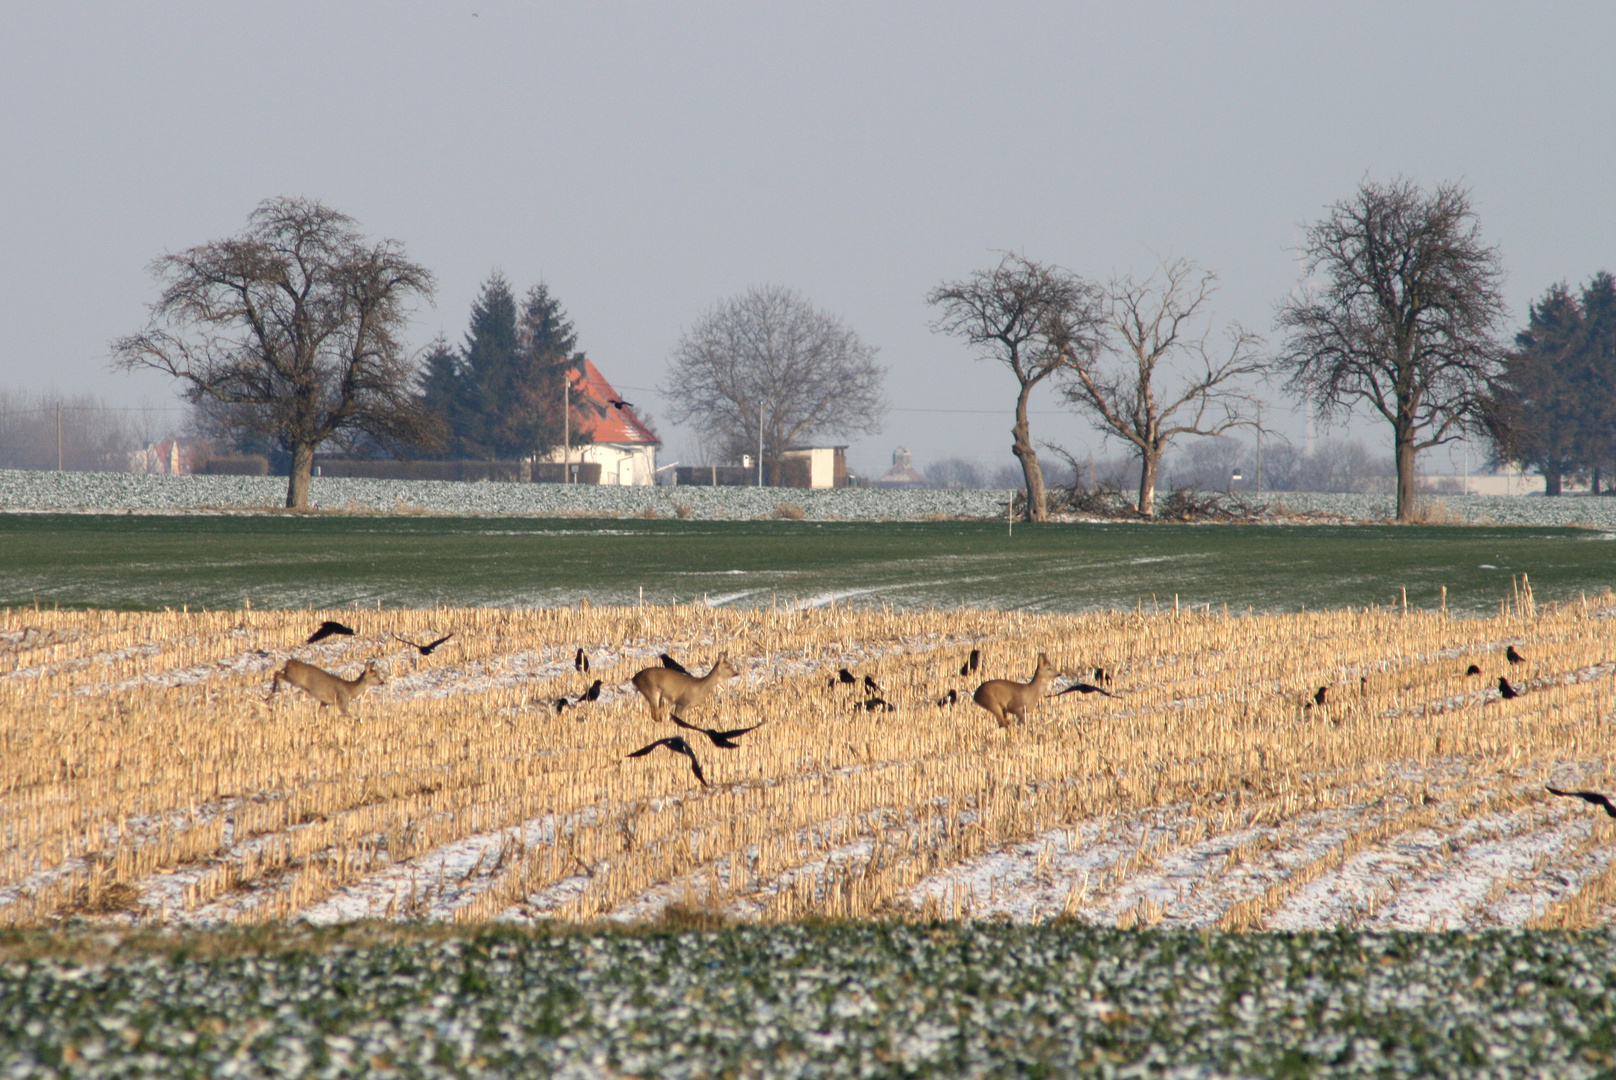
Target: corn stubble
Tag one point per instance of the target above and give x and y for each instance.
(145, 776)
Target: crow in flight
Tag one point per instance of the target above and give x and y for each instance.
(673, 665)
(973, 663)
(724, 740)
(425, 650)
(951, 699)
(580, 662)
(1083, 688)
(1512, 656)
(329, 629)
(619, 403)
(1505, 690)
(1472, 670)
(1587, 797)
(677, 744)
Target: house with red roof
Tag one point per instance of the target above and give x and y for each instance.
(606, 431)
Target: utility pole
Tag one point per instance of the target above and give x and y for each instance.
(1259, 446)
(58, 437)
(760, 444)
(566, 428)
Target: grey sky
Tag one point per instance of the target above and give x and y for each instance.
(647, 160)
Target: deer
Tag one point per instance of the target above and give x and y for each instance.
(667, 690)
(1005, 698)
(326, 688)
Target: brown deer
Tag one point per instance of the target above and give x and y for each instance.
(667, 690)
(1005, 698)
(325, 687)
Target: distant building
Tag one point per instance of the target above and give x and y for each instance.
(814, 467)
(623, 447)
(902, 473)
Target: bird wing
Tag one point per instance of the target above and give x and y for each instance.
(691, 727)
(668, 742)
(438, 642)
(735, 733)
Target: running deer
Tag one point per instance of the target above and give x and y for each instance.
(1005, 698)
(325, 687)
(668, 691)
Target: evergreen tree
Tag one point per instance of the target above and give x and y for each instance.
(443, 391)
(1598, 348)
(1537, 411)
(485, 366)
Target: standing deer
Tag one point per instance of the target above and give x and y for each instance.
(667, 690)
(325, 687)
(1005, 698)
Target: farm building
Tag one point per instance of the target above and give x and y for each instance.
(608, 435)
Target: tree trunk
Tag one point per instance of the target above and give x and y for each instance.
(1405, 476)
(1149, 467)
(1595, 489)
(297, 480)
(1551, 482)
(1037, 504)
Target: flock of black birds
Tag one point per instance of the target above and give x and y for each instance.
(725, 740)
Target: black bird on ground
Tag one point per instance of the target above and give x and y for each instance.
(876, 704)
(1083, 688)
(1472, 670)
(580, 662)
(562, 703)
(677, 744)
(425, 650)
(724, 740)
(952, 698)
(1319, 694)
(1512, 656)
(844, 677)
(1505, 690)
(672, 665)
(592, 694)
(973, 663)
(872, 686)
(329, 629)
(1586, 796)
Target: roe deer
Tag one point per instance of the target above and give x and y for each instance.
(666, 690)
(1005, 698)
(325, 687)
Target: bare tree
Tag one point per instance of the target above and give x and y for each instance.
(766, 363)
(1407, 318)
(1157, 328)
(1008, 314)
(292, 330)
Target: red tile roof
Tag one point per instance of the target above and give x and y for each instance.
(593, 413)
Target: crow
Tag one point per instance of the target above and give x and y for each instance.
(1083, 688)
(672, 665)
(872, 686)
(425, 650)
(951, 699)
(592, 694)
(1472, 670)
(619, 403)
(723, 739)
(677, 744)
(1318, 695)
(843, 676)
(562, 703)
(1586, 796)
(875, 704)
(1505, 690)
(329, 629)
(1512, 656)
(580, 662)
(973, 663)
